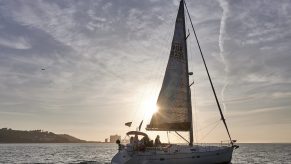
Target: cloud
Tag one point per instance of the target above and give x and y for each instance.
(100, 55)
(249, 30)
(87, 49)
(16, 43)
(225, 7)
(254, 47)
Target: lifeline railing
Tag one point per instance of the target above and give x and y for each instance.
(205, 147)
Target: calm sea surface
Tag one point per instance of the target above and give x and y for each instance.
(102, 153)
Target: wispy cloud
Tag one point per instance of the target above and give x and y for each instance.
(225, 7)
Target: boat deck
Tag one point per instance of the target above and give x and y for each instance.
(174, 148)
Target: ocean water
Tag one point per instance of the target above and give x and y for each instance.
(102, 153)
(57, 153)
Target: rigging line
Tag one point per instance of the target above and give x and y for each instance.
(162, 63)
(213, 90)
(201, 129)
(195, 115)
(140, 99)
(164, 50)
(181, 136)
(139, 104)
(157, 63)
(209, 131)
(165, 63)
(191, 58)
(152, 89)
(194, 120)
(149, 88)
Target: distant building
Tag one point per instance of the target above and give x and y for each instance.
(114, 138)
(106, 140)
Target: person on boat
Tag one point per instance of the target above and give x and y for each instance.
(131, 140)
(120, 147)
(157, 141)
(135, 142)
(142, 144)
(145, 141)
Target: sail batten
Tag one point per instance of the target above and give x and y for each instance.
(174, 102)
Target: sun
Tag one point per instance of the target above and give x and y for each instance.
(149, 107)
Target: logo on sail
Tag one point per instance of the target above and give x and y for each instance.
(177, 51)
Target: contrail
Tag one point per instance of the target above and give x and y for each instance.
(225, 7)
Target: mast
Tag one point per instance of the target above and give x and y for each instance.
(187, 75)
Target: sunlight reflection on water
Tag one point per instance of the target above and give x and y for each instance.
(56, 153)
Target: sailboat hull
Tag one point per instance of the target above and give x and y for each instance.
(177, 154)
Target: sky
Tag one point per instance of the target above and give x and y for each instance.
(85, 67)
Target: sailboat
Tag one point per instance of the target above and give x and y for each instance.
(175, 113)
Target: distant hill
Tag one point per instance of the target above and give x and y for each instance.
(35, 136)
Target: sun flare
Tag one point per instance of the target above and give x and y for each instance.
(149, 107)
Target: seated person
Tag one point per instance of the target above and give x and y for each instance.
(131, 140)
(135, 142)
(145, 141)
(157, 141)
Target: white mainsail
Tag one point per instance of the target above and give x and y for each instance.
(174, 113)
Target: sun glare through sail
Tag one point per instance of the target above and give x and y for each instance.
(149, 107)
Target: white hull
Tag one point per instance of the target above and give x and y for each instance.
(176, 155)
